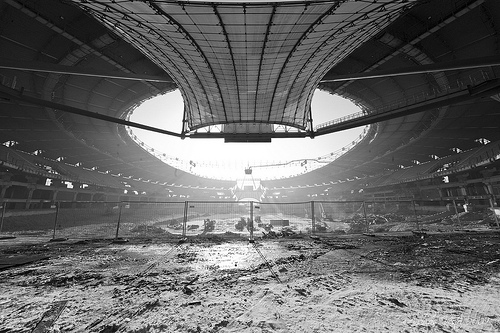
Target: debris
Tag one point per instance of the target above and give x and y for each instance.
(421, 234)
(149, 229)
(58, 239)
(192, 303)
(120, 240)
(209, 225)
(397, 302)
(320, 227)
(187, 290)
(110, 328)
(223, 323)
(302, 291)
(242, 223)
(193, 280)
(49, 317)
(6, 263)
(493, 262)
(285, 232)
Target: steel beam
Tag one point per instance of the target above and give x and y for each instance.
(12, 94)
(251, 137)
(485, 89)
(33, 66)
(422, 69)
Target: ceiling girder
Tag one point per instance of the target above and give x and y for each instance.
(33, 66)
(484, 89)
(12, 94)
(421, 69)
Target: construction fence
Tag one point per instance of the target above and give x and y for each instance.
(115, 220)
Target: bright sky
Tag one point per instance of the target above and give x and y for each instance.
(230, 159)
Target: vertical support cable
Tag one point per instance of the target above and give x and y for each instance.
(119, 219)
(366, 218)
(416, 216)
(55, 220)
(313, 220)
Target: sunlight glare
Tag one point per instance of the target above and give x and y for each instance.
(212, 158)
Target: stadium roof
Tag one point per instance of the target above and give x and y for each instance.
(245, 65)
(424, 73)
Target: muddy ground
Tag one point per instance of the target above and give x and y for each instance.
(439, 282)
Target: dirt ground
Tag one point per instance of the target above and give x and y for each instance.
(397, 282)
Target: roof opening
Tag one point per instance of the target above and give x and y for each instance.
(212, 158)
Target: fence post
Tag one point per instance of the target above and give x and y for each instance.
(313, 219)
(184, 220)
(55, 220)
(251, 221)
(416, 216)
(3, 214)
(119, 219)
(366, 218)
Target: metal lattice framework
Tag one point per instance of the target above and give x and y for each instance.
(246, 65)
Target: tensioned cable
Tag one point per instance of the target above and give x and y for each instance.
(268, 264)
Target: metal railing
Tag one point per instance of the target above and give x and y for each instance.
(426, 95)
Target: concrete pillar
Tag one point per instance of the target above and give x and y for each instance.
(73, 204)
(492, 200)
(489, 189)
(440, 193)
(463, 191)
(2, 192)
(53, 196)
(31, 189)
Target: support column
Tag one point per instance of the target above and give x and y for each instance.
(493, 204)
(30, 195)
(32, 181)
(2, 192)
(456, 212)
(53, 197)
(73, 200)
(440, 193)
(367, 226)
(463, 191)
(416, 215)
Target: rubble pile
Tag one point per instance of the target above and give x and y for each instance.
(149, 230)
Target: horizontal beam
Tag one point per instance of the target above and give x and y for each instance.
(422, 69)
(251, 137)
(12, 94)
(485, 89)
(33, 66)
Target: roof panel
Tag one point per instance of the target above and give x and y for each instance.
(281, 48)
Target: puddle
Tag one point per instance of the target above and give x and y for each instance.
(203, 258)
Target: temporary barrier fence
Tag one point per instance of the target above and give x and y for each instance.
(134, 219)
